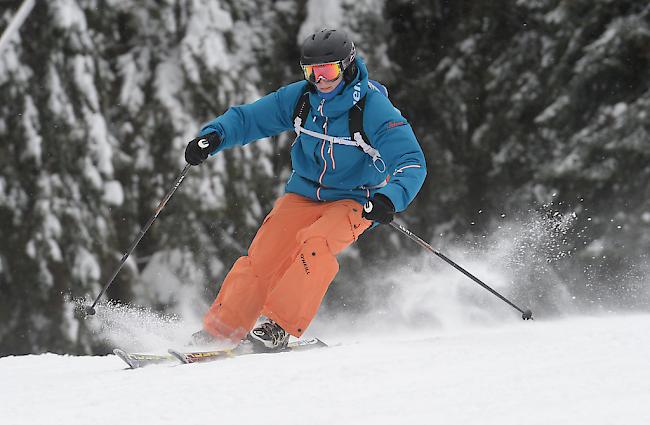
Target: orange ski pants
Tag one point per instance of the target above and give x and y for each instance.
(290, 264)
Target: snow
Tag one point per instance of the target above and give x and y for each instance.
(59, 102)
(86, 265)
(168, 85)
(470, 366)
(552, 110)
(165, 279)
(210, 44)
(84, 70)
(319, 17)
(133, 75)
(113, 193)
(574, 370)
(52, 230)
(91, 173)
(557, 15)
(619, 109)
(99, 142)
(68, 14)
(33, 140)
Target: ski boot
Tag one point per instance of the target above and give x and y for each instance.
(269, 336)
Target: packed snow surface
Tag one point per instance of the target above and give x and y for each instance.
(574, 370)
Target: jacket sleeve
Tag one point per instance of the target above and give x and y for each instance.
(265, 117)
(393, 137)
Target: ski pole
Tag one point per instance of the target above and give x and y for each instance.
(525, 314)
(19, 18)
(90, 310)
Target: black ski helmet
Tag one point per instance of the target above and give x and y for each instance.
(330, 45)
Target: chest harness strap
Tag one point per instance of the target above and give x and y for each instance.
(356, 123)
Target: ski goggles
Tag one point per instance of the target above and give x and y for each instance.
(322, 71)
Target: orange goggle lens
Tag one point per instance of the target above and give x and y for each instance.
(322, 71)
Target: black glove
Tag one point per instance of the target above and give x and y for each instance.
(199, 148)
(379, 208)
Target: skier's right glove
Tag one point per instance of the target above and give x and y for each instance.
(199, 148)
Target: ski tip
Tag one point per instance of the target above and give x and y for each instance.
(305, 344)
(125, 358)
(180, 356)
(321, 343)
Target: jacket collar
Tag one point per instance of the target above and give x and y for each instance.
(352, 92)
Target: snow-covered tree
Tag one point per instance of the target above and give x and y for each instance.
(520, 106)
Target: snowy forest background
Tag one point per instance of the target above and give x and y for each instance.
(533, 115)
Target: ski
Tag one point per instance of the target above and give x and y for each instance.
(136, 361)
(244, 348)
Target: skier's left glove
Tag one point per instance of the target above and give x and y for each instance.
(379, 208)
(199, 148)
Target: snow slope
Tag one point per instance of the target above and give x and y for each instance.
(577, 370)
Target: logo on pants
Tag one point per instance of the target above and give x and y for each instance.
(304, 263)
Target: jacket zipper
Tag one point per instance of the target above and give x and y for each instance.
(322, 149)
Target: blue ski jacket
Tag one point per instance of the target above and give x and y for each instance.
(323, 170)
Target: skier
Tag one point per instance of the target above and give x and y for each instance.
(340, 184)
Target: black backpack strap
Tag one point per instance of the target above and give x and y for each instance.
(355, 119)
(302, 107)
